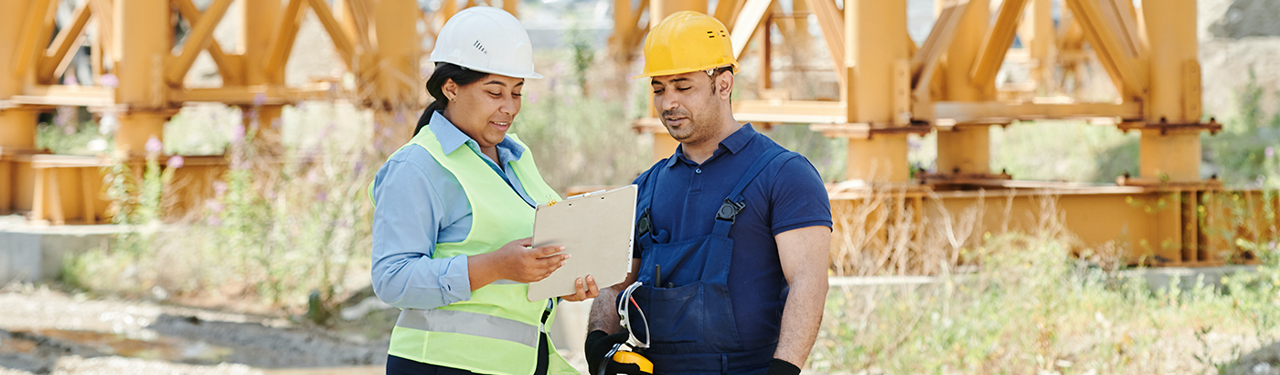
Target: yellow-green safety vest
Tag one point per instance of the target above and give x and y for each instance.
(497, 331)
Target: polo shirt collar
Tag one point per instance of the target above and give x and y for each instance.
(451, 138)
(734, 143)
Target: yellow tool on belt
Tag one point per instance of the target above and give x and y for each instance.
(634, 355)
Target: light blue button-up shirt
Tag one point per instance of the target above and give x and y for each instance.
(420, 203)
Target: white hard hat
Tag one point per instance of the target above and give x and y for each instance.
(486, 39)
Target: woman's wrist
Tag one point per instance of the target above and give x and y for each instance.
(481, 270)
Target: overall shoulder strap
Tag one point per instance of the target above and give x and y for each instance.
(645, 222)
(734, 203)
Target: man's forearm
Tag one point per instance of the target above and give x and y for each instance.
(604, 312)
(800, 320)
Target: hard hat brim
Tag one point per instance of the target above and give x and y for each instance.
(525, 75)
(671, 72)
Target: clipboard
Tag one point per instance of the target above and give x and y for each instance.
(596, 229)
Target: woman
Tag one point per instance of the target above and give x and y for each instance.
(454, 210)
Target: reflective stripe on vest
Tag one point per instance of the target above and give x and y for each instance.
(474, 324)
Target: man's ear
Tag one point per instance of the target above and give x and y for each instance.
(724, 84)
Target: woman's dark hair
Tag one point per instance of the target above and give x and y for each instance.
(444, 72)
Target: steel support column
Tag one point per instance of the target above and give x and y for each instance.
(966, 150)
(882, 158)
(1041, 39)
(260, 20)
(396, 75)
(1174, 93)
(144, 36)
(17, 126)
(871, 59)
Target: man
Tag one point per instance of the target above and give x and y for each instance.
(733, 231)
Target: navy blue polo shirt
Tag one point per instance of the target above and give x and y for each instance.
(787, 194)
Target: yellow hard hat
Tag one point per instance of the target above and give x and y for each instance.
(687, 41)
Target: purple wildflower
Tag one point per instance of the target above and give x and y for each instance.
(237, 133)
(109, 80)
(154, 144)
(175, 161)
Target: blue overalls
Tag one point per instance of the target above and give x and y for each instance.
(690, 316)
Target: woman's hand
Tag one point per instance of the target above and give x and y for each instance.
(515, 261)
(587, 290)
(525, 264)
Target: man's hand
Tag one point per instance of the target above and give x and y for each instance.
(781, 367)
(598, 346)
(589, 290)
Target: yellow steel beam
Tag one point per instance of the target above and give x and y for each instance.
(12, 27)
(1122, 17)
(68, 37)
(881, 159)
(1004, 113)
(65, 95)
(261, 21)
(17, 129)
(37, 22)
(59, 70)
(1175, 82)
(286, 33)
(342, 41)
(198, 40)
(925, 61)
(871, 61)
(145, 37)
(748, 21)
(248, 95)
(229, 71)
(962, 54)
(622, 42)
(996, 43)
(831, 22)
(6, 188)
(358, 13)
(1040, 40)
(1111, 52)
(101, 37)
(765, 38)
(398, 53)
(870, 57)
(791, 111)
(660, 9)
(726, 10)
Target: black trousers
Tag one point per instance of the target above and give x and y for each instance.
(401, 366)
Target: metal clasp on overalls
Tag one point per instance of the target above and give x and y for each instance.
(729, 210)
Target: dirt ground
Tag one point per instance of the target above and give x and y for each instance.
(46, 331)
(43, 331)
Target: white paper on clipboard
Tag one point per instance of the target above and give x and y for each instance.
(596, 229)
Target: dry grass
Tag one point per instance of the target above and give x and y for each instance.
(1018, 303)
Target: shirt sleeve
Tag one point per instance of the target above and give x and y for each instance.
(406, 220)
(799, 198)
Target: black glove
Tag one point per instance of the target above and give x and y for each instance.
(781, 367)
(598, 345)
